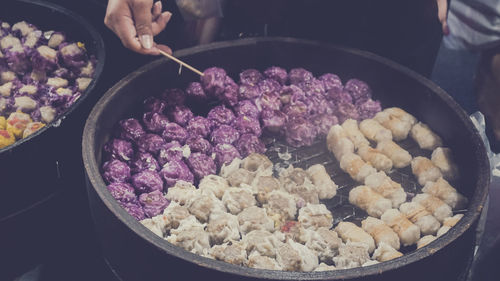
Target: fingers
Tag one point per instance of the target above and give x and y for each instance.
(442, 15)
(136, 22)
(124, 28)
(141, 12)
(161, 22)
(157, 7)
(164, 48)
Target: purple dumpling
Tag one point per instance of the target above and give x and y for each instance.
(198, 144)
(119, 149)
(324, 122)
(249, 143)
(195, 91)
(153, 203)
(319, 105)
(312, 87)
(150, 143)
(299, 75)
(220, 115)
(230, 94)
(273, 120)
(270, 100)
(115, 171)
(224, 134)
(291, 93)
(171, 151)
(346, 111)
(296, 109)
(147, 181)
(174, 132)
(134, 209)
(338, 96)
(130, 129)
(144, 161)
(199, 126)
(277, 73)
(248, 108)
(299, 132)
(269, 86)
(174, 171)
(180, 115)
(367, 109)
(201, 165)
(174, 96)
(330, 81)
(154, 104)
(248, 92)
(225, 153)
(358, 89)
(122, 191)
(213, 81)
(155, 122)
(250, 77)
(247, 125)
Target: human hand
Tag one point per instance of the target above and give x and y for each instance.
(136, 22)
(443, 15)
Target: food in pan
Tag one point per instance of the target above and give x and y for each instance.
(385, 252)
(348, 231)
(439, 209)
(425, 170)
(408, 232)
(444, 191)
(442, 158)
(358, 169)
(203, 183)
(374, 131)
(41, 75)
(397, 121)
(400, 157)
(448, 223)
(320, 178)
(425, 137)
(338, 142)
(375, 157)
(202, 223)
(424, 241)
(385, 186)
(366, 199)
(380, 232)
(422, 218)
(352, 131)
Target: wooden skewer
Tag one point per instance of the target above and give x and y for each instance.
(181, 62)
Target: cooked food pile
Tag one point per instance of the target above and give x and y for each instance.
(246, 216)
(203, 183)
(170, 143)
(41, 75)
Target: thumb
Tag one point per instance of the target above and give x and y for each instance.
(141, 12)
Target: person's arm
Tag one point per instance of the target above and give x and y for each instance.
(136, 22)
(443, 15)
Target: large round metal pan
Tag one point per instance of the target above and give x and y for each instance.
(135, 253)
(35, 177)
(32, 168)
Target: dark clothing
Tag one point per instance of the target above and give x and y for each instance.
(405, 31)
